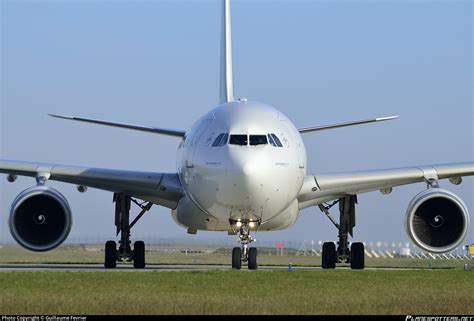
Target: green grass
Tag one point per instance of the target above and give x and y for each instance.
(442, 291)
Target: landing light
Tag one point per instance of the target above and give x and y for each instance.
(252, 224)
(238, 224)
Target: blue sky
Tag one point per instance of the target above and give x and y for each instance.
(157, 63)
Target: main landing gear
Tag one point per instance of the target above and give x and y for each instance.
(122, 222)
(245, 253)
(355, 254)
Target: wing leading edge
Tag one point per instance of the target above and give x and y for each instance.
(159, 188)
(339, 125)
(154, 130)
(321, 188)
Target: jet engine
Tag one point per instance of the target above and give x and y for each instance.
(40, 218)
(437, 220)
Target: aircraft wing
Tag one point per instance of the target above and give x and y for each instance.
(160, 188)
(319, 188)
(340, 125)
(154, 130)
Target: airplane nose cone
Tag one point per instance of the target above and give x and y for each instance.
(249, 168)
(247, 176)
(246, 184)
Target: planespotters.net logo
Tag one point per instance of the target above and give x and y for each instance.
(43, 318)
(438, 318)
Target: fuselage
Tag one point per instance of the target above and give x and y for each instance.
(241, 161)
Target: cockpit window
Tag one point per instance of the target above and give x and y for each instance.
(224, 140)
(220, 140)
(258, 140)
(217, 140)
(271, 141)
(244, 140)
(238, 140)
(277, 140)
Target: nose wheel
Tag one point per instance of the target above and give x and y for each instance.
(236, 258)
(239, 256)
(244, 253)
(252, 258)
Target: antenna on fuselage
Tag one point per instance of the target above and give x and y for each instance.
(226, 81)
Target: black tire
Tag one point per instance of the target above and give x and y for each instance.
(252, 261)
(329, 255)
(357, 256)
(139, 255)
(110, 255)
(236, 258)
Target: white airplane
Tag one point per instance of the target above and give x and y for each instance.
(241, 168)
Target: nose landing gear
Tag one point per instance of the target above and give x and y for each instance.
(244, 253)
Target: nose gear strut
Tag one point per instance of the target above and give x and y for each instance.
(244, 253)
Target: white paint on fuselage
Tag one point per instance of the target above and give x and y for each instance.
(240, 182)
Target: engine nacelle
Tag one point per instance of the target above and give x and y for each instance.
(437, 220)
(40, 218)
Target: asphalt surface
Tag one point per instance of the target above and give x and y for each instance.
(8, 267)
(129, 268)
